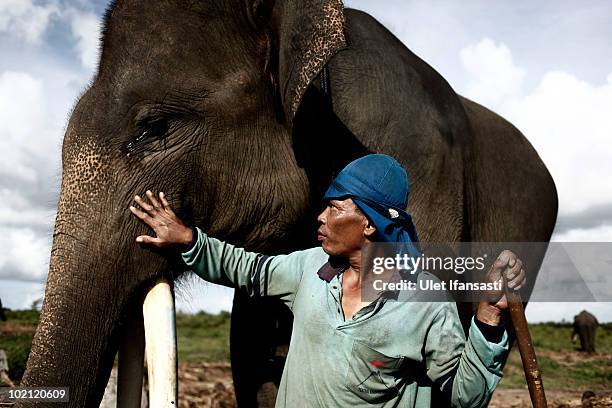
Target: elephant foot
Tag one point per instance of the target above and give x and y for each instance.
(266, 396)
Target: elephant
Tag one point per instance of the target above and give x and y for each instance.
(242, 112)
(585, 326)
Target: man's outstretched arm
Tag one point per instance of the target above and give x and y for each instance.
(217, 261)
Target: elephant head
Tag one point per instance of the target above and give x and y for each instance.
(196, 99)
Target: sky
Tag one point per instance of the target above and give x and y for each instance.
(546, 66)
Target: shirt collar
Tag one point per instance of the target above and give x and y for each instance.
(334, 266)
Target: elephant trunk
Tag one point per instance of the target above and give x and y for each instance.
(76, 340)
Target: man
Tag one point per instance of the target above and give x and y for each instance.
(344, 351)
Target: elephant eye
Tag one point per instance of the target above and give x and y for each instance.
(148, 131)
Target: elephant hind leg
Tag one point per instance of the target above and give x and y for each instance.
(584, 339)
(590, 340)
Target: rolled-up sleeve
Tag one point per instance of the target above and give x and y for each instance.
(474, 366)
(257, 274)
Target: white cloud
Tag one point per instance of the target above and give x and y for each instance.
(493, 75)
(24, 254)
(25, 20)
(24, 128)
(566, 119)
(34, 100)
(17, 210)
(599, 234)
(569, 122)
(86, 29)
(29, 145)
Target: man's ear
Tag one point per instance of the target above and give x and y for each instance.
(369, 231)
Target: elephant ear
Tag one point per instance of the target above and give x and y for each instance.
(307, 34)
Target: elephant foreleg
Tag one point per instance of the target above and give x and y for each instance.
(259, 336)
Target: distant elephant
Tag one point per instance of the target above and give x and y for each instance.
(2, 315)
(242, 112)
(585, 326)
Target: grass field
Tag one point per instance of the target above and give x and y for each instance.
(205, 338)
(562, 367)
(201, 338)
(16, 337)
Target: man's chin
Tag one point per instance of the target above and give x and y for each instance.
(329, 251)
(326, 248)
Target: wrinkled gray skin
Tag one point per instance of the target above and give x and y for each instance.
(585, 326)
(220, 105)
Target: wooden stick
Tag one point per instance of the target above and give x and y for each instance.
(528, 356)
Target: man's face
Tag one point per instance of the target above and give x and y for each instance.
(342, 228)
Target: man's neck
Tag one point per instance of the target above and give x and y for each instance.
(352, 276)
(354, 261)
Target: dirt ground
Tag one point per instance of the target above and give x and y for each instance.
(210, 386)
(511, 398)
(206, 385)
(12, 328)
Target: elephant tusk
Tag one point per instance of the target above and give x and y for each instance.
(131, 368)
(160, 338)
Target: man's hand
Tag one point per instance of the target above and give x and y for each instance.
(169, 229)
(509, 268)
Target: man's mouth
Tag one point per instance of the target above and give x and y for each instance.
(320, 236)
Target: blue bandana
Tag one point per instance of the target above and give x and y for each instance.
(378, 185)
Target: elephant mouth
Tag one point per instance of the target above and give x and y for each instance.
(152, 334)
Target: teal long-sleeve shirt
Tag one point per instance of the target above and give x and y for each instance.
(389, 354)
